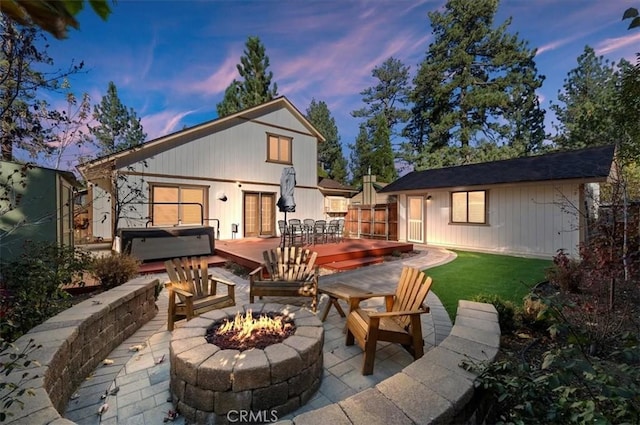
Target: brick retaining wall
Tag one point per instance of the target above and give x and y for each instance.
(74, 342)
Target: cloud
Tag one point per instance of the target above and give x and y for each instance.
(611, 45)
(163, 123)
(217, 82)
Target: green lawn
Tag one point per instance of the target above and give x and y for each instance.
(475, 273)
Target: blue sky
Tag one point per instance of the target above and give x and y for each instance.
(172, 60)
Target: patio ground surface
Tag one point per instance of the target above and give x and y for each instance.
(143, 383)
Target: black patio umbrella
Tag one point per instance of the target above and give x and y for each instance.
(286, 203)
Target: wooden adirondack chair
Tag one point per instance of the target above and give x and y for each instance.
(286, 272)
(193, 291)
(400, 323)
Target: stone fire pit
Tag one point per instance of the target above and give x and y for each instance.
(212, 385)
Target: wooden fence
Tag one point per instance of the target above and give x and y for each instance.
(378, 221)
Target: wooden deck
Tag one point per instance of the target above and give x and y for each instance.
(344, 255)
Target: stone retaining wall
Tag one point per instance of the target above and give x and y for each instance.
(73, 344)
(432, 390)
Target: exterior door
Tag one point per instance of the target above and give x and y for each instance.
(259, 214)
(415, 220)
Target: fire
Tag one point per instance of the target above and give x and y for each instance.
(244, 327)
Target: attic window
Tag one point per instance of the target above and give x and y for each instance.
(469, 207)
(279, 149)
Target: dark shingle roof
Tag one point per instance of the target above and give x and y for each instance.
(332, 184)
(591, 163)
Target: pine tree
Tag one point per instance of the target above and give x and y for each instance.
(588, 104)
(361, 155)
(388, 97)
(476, 84)
(331, 160)
(255, 87)
(119, 128)
(382, 158)
(26, 121)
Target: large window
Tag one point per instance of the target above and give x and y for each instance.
(174, 205)
(469, 207)
(279, 149)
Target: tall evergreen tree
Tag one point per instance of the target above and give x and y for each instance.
(255, 87)
(26, 121)
(588, 102)
(119, 128)
(361, 155)
(476, 84)
(388, 97)
(382, 158)
(331, 161)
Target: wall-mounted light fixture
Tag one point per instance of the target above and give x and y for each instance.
(428, 197)
(222, 196)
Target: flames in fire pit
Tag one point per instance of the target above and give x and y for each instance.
(246, 331)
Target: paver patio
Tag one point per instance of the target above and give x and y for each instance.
(142, 382)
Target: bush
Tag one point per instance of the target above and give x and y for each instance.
(14, 360)
(565, 272)
(32, 285)
(115, 269)
(506, 310)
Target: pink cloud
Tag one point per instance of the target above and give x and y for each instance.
(163, 123)
(217, 82)
(615, 44)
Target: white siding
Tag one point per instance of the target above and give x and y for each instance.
(221, 160)
(101, 213)
(534, 220)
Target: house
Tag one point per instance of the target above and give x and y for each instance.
(223, 173)
(36, 205)
(336, 197)
(530, 206)
(370, 194)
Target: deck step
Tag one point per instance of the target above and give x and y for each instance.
(353, 264)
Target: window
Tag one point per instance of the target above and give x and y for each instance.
(183, 205)
(279, 149)
(469, 207)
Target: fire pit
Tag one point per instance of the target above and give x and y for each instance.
(229, 365)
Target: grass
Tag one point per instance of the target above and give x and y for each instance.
(473, 273)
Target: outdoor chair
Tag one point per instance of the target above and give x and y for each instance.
(296, 231)
(400, 323)
(286, 272)
(307, 225)
(319, 231)
(193, 291)
(285, 234)
(335, 229)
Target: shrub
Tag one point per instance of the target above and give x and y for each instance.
(115, 269)
(565, 272)
(506, 310)
(32, 285)
(15, 360)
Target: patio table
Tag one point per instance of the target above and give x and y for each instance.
(339, 291)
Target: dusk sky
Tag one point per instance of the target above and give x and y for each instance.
(172, 60)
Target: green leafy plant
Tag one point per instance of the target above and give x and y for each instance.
(506, 310)
(570, 385)
(115, 269)
(32, 285)
(14, 360)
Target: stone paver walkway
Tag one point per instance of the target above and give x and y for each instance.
(136, 385)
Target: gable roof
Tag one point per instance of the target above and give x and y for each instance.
(332, 186)
(593, 164)
(209, 127)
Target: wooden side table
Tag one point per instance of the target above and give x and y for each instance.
(339, 291)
